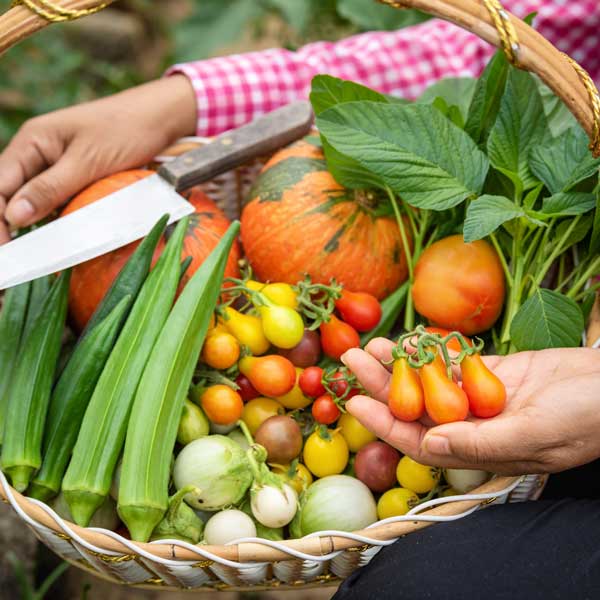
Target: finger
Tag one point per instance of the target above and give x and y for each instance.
(381, 349)
(479, 444)
(4, 233)
(41, 195)
(406, 437)
(21, 160)
(373, 376)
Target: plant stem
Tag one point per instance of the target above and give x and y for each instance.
(591, 270)
(514, 296)
(505, 267)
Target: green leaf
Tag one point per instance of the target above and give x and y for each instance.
(373, 16)
(558, 116)
(568, 203)
(564, 162)
(595, 239)
(486, 214)
(456, 91)
(520, 126)
(327, 91)
(348, 172)
(413, 148)
(547, 320)
(297, 14)
(485, 102)
(532, 196)
(578, 232)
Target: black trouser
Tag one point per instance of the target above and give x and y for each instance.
(549, 549)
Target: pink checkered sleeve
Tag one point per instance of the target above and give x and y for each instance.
(231, 90)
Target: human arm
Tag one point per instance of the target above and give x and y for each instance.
(550, 423)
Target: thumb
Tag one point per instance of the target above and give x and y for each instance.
(469, 444)
(47, 191)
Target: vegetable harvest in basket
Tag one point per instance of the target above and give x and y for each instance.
(205, 402)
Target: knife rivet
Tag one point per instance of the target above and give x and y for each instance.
(226, 141)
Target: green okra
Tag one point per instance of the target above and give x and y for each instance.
(100, 441)
(31, 385)
(159, 400)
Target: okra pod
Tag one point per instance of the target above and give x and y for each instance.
(31, 386)
(12, 322)
(158, 404)
(70, 398)
(100, 441)
(37, 296)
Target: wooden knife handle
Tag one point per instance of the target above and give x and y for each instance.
(231, 149)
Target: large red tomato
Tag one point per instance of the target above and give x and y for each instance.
(459, 286)
(91, 280)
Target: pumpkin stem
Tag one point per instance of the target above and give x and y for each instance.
(369, 200)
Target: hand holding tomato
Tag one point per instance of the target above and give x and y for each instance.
(550, 423)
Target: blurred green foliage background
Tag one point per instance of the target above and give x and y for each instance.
(135, 40)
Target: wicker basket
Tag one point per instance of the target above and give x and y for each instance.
(326, 557)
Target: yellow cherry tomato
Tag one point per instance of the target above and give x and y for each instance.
(396, 502)
(449, 492)
(221, 350)
(299, 479)
(247, 329)
(295, 398)
(258, 410)
(282, 326)
(354, 432)
(279, 293)
(326, 456)
(415, 476)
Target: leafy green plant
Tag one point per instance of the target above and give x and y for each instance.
(510, 166)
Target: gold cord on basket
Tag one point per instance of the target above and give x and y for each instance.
(55, 13)
(594, 103)
(505, 29)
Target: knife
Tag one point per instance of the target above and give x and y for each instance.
(129, 214)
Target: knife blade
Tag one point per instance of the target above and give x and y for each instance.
(129, 214)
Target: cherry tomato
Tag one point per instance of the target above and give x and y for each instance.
(279, 293)
(307, 352)
(221, 404)
(453, 345)
(247, 329)
(486, 393)
(445, 401)
(337, 337)
(282, 326)
(355, 433)
(339, 384)
(325, 455)
(271, 375)
(246, 391)
(295, 398)
(406, 399)
(311, 382)
(415, 476)
(258, 410)
(459, 286)
(396, 502)
(359, 309)
(325, 410)
(221, 350)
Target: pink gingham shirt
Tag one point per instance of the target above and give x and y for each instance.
(232, 90)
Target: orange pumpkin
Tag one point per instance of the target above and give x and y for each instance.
(300, 220)
(91, 280)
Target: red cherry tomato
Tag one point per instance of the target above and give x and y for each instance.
(359, 309)
(311, 382)
(325, 410)
(271, 375)
(246, 391)
(459, 286)
(337, 337)
(486, 393)
(445, 401)
(406, 399)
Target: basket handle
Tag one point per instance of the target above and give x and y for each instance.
(485, 18)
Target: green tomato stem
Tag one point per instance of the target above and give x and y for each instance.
(505, 267)
(591, 270)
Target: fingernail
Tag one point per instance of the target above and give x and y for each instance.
(437, 444)
(19, 211)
